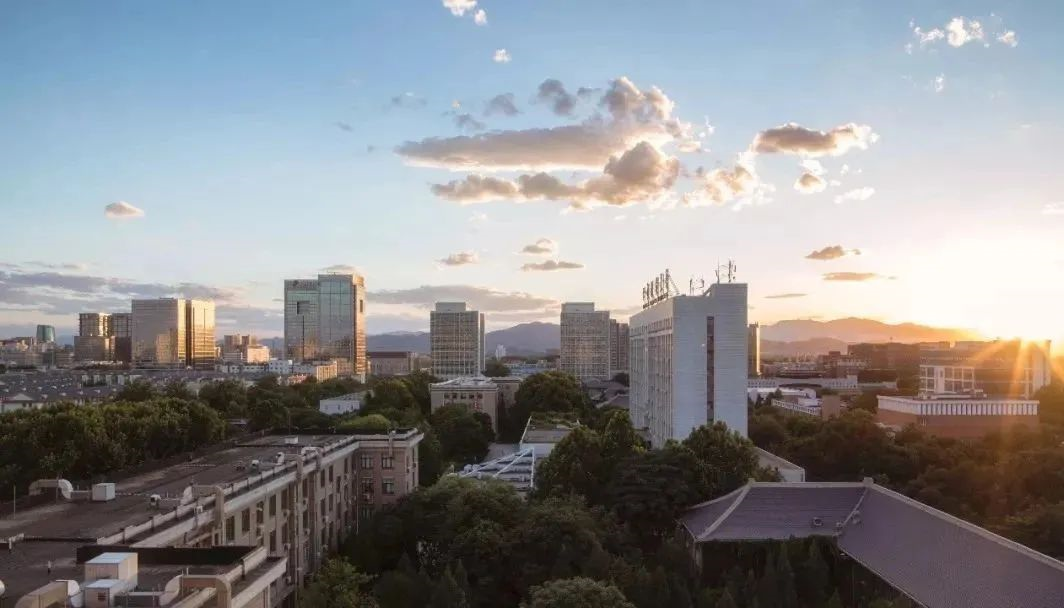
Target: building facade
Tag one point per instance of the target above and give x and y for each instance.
(618, 347)
(477, 394)
(1001, 368)
(173, 332)
(688, 363)
(753, 350)
(958, 418)
(456, 338)
(391, 363)
(325, 318)
(122, 332)
(45, 334)
(585, 341)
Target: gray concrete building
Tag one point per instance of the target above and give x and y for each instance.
(456, 337)
(585, 341)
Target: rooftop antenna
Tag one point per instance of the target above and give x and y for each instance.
(728, 270)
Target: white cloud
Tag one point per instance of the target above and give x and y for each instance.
(958, 32)
(939, 83)
(480, 17)
(550, 265)
(552, 91)
(1053, 208)
(859, 194)
(501, 56)
(793, 138)
(542, 246)
(809, 183)
(122, 210)
(459, 7)
(1008, 39)
(502, 103)
(461, 258)
(831, 252)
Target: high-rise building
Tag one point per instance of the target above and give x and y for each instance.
(94, 341)
(242, 348)
(173, 332)
(753, 350)
(585, 341)
(1001, 368)
(456, 336)
(45, 334)
(688, 363)
(325, 318)
(618, 347)
(122, 332)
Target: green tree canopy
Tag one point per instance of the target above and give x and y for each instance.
(463, 436)
(578, 592)
(338, 584)
(496, 369)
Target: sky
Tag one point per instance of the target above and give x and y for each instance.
(890, 160)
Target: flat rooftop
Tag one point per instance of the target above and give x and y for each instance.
(86, 521)
(480, 382)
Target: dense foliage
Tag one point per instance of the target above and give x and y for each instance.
(79, 442)
(552, 391)
(1012, 483)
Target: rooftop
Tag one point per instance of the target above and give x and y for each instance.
(86, 521)
(550, 427)
(355, 396)
(936, 559)
(478, 382)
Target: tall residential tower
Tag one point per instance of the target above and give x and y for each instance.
(688, 363)
(585, 341)
(456, 337)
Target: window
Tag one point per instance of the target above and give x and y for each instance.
(388, 486)
(230, 528)
(321, 479)
(366, 511)
(330, 473)
(367, 461)
(387, 462)
(273, 505)
(273, 541)
(245, 520)
(367, 486)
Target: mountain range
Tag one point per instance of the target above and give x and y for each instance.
(790, 337)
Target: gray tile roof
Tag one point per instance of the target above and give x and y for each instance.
(936, 559)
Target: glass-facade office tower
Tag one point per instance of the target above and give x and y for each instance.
(94, 341)
(45, 334)
(585, 341)
(173, 332)
(324, 318)
(122, 333)
(456, 337)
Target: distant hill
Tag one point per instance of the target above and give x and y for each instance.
(851, 330)
(524, 339)
(813, 346)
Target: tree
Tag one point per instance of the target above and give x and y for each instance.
(835, 601)
(338, 584)
(788, 593)
(268, 414)
(726, 601)
(391, 393)
(136, 391)
(575, 466)
(447, 593)
(418, 384)
(371, 423)
(728, 458)
(552, 391)
(1051, 404)
(578, 592)
(815, 576)
(177, 389)
(463, 436)
(496, 369)
(227, 397)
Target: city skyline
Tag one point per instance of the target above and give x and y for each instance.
(940, 143)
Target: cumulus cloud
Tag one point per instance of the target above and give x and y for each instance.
(552, 91)
(478, 298)
(939, 83)
(542, 246)
(724, 185)
(407, 100)
(461, 258)
(958, 32)
(634, 117)
(858, 194)
(785, 296)
(501, 56)
(832, 252)
(793, 138)
(467, 122)
(853, 276)
(122, 210)
(459, 7)
(502, 103)
(1053, 209)
(549, 265)
(811, 180)
(638, 174)
(480, 17)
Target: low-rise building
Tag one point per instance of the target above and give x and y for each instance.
(391, 362)
(477, 393)
(274, 508)
(344, 404)
(320, 371)
(957, 416)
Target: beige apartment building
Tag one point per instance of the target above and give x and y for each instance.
(391, 363)
(476, 393)
(585, 341)
(276, 507)
(456, 336)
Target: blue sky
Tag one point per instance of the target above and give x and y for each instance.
(260, 141)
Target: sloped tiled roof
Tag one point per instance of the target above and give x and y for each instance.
(936, 559)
